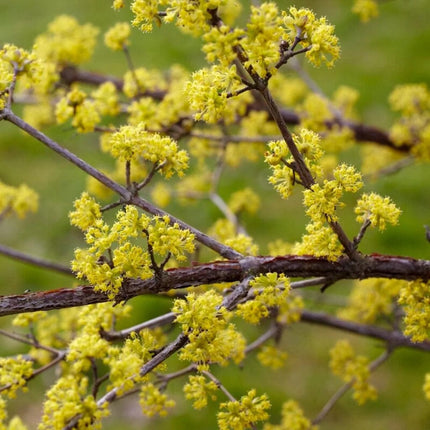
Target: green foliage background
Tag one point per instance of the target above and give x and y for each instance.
(389, 50)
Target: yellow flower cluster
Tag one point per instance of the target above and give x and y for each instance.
(83, 111)
(263, 34)
(413, 127)
(106, 272)
(66, 41)
(319, 241)
(67, 398)
(270, 290)
(86, 111)
(323, 200)
(134, 143)
(18, 200)
(378, 210)
(220, 44)
(292, 418)
(14, 373)
(272, 357)
(191, 17)
(27, 68)
(244, 413)
(225, 231)
(116, 38)
(315, 112)
(365, 9)
(316, 34)
(245, 200)
(280, 162)
(352, 369)
(207, 93)
(415, 299)
(371, 299)
(126, 361)
(144, 11)
(211, 338)
(153, 402)
(199, 389)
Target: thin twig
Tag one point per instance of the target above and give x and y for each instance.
(35, 261)
(346, 387)
(218, 383)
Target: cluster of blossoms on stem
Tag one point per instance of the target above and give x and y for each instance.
(199, 390)
(415, 300)
(112, 254)
(243, 413)
(271, 291)
(17, 200)
(292, 417)
(412, 101)
(366, 9)
(352, 369)
(212, 339)
(371, 299)
(66, 41)
(132, 143)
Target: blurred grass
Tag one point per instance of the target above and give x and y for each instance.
(376, 56)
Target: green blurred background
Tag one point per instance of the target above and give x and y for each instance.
(376, 56)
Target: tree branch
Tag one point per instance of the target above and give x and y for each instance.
(35, 261)
(371, 266)
(125, 194)
(393, 338)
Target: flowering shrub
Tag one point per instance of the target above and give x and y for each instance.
(170, 136)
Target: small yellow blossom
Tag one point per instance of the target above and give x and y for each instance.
(68, 398)
(86, 212)
(211, 338)
(351, 368)
(270, 290)
(153, 402)
(106, 99)
(18, 200)
(415, 300)
(320, 242)
(315, 34)
(66, 41)
(199, 389)
(371, 299)
(272, 357)
(378, 210)
(293, 418)
(116, 38)
(207, 93)
(261, 41)
(245, 200)
(365, 9)
(14, 373)
(161, 194)
(244, 413)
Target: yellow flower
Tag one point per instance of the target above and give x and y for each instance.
(365, 9)
(116, 38)
(378, 210)
(66, 41)
(244, 413)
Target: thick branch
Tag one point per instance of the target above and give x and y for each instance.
(372, 266)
